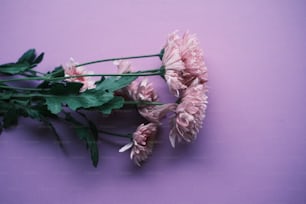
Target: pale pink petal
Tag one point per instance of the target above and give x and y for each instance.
(126, 147)
(143, 141)
(71, 69)
(189, 113)
(155, 113)
(183, 61)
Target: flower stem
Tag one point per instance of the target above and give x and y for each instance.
(119, 58)
(23, 79)
(95, 75)
(83, 75)
(30, 95)
(115, 134)
(20, 88)
(142, 103)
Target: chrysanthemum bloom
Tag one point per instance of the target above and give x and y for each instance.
(137, 90)
(173, 65)
(189, 62)
(123, 66)
(189, 114)
(143, 142)
(192, 56)
(155, 113)
(70, 69)
(143, 91)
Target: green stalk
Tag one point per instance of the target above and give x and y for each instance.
(23, 89)
(158, 72)
(142, 103)
(118, 58)
(116, 134)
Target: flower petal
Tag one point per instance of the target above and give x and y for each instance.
(126, 147)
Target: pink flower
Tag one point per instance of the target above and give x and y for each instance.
(155, 113)
(192, 56)
(183, 61)
(137, 90)
(70, 69)
(143, 91)
(123, 66)
(142, 144)
(189, 114)
(174, 66)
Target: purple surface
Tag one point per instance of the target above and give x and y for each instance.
(252, 146)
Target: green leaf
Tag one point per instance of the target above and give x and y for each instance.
(39, 58)
(50, 125)
(32, 113)
(6, 94)
(161, 54)
(26, 62)
(83, 100)
(28, 56)
(115, 83)
(4, 107)
(65, 88)
(1, 127)
(54, 105)
(86, 134)
(10, 118)
(91, 124)
(57, 72)
(14, 68)
(116, 103)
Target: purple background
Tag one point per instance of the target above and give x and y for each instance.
(252, 146)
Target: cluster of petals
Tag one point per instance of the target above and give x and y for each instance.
(190, 113)
(143, 142)
(186, 76)
(143, 91)
(183, 61)
(71, 69)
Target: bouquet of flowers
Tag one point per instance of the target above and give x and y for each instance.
(68, 91)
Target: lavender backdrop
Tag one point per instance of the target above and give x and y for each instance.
(252, 146)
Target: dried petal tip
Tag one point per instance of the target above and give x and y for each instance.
(143, 141)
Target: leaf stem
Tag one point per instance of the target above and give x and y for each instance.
(118, 58)
(95, 75)
(116, 134)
